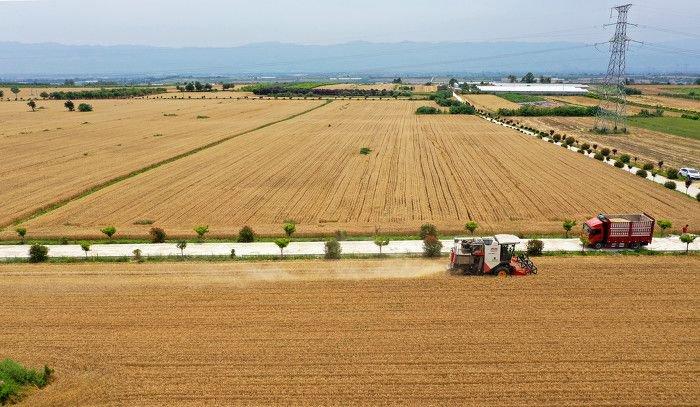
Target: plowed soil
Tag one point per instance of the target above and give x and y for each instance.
(584, 331)
(443, 169)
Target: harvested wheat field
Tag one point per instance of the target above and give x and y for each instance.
(666, 101)
(489, 103)
(442, 169)
(648, 145)
(53, 154)
(657, 89)
(603, 330)
(422, 88)
(586, 101)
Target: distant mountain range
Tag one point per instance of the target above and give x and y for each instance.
(18, 60)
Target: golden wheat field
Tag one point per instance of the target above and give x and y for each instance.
(666, 101)
(656, 89)
(586, 101)
(53, 154)
(647, 145)
(489, 103)
(442, 169)
(605, 330)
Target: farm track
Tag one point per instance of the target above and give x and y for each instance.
(584, 331)
(45, 169)
(440, 169)
(648, 145)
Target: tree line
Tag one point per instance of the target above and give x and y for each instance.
(112, 93)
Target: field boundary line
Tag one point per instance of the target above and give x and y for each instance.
(91, 190)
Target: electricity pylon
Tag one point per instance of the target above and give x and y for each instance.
(611, 116)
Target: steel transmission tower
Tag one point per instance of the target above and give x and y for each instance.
(611, 117)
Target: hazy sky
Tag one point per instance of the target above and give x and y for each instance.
(210, 23)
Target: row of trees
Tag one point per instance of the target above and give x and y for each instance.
(195, 87)
(529, 78)
(569, 110)
(111, 93)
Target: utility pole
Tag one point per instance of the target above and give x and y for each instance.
(611, 117)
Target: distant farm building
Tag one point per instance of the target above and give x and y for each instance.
(535, 88)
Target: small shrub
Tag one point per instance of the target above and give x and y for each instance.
(642, 173)
(85, 107)
(182, 245)
(282, 243)
(671, 173)
(144, 222)
(534, 247)
(289, 228)
(664, 224)
(14, 378)
(200, 117)
(670, 185)
(341, 235)
(471, 226)
(21, 232)
(556, 137)
(432, 246)
(568, 224)
(201, 231)
(697, 196)
(365, 150)
(605, 151)
(246, 235)
(648, 166)
(381, 241)
(137, 256)
(427, 110)
(86, 247)
(427, 230)
(599, 156)
(38, 253)
(625, 158)
(619, 164)
(69, 105)
(585, 146)
(109, 231)
(233, 254)
(157, 235)
(332, 250)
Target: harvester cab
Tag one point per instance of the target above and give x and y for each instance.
(490, 255)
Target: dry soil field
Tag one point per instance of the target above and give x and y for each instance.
(443, 169)
(656, 89)
(584, 331)
(646, 144)
(52, 154)
(489, 102)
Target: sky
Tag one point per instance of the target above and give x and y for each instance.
(221, 23)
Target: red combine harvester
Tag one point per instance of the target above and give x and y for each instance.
(619, 231)
(490, 255)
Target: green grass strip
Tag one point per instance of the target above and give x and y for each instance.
(53, 206)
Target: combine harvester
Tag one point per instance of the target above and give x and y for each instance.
(619, 231)
(490, 256)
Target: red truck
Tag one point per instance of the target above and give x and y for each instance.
(619, 231)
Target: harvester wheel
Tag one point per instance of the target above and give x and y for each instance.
(501, 271)
(635, 246)
(598, 246)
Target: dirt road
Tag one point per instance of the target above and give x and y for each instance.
(593, 331)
